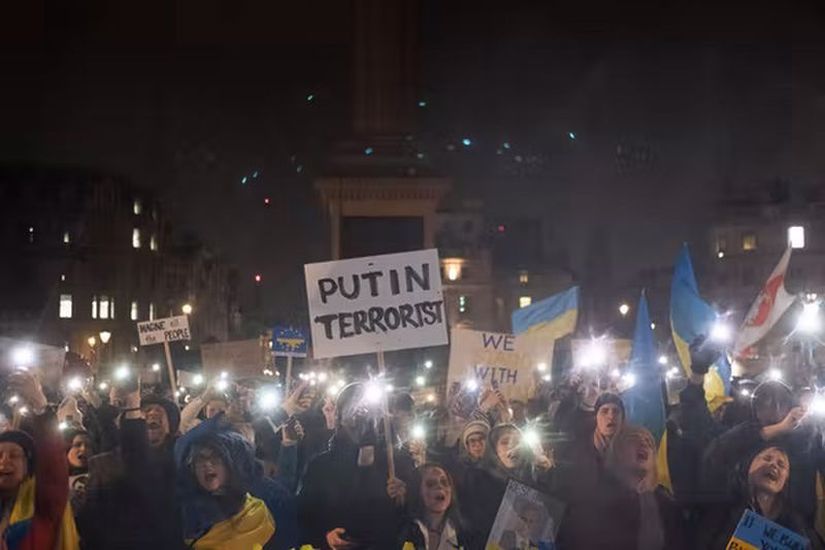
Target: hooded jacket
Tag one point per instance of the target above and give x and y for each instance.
(234, 515)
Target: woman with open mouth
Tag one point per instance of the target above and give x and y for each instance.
(760, 485)
(435, 521)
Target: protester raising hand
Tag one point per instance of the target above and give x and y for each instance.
(337, 541)
(27, 387)
(297, 401)
(329, 412)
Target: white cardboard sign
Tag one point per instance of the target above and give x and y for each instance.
(507, 361)
(376, 303)
(170, 329)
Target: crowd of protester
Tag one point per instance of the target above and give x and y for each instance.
(128, 468)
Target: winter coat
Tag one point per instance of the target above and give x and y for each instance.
(130, 499)
(690, 430)
(611, 520)
(336, 492)
(414, 537)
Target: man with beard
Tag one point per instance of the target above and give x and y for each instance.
(130, 496)
(347, 500)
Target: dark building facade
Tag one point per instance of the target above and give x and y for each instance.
(87, 255)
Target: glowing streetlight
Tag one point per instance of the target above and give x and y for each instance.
(105, 336)
(624, 309)
(186, 309)
(92, 341)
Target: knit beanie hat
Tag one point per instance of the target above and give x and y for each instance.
(472, 428)
(609, 399)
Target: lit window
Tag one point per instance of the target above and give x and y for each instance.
(524, 301)
(103, 307)
(65, 306)
(796, 236)
(463, 304)
(136, 238)
(137, 207)
(748, 242)
(151, 311)
(67, 238)
(133, 314)
(524, 277)
(453, 271)
(153, 243)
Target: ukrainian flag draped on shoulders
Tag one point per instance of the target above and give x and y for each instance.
(21, 519)
(551, 318)
(691, 316)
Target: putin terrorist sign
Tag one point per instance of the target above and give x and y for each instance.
(376, 303)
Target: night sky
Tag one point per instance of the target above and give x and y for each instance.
(628, 119)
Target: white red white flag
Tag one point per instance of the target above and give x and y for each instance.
(772, 301)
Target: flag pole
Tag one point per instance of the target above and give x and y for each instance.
(170, 366)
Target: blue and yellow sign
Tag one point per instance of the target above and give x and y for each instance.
(755, 532)
(289, 342)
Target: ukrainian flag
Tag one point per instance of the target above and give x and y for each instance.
(643, 401)
(691, 316)
(553, 317)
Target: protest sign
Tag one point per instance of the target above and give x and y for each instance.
(170, 329)
(754, 532)
(289, 342)
(240, 359)
(505, 360)
(375, 304)
(526, 519)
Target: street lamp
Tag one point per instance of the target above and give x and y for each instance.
(92, 341)
(624, 309)
(105, 336)
(186, 309)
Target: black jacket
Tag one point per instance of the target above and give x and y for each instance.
(336, 492)
(131, 496)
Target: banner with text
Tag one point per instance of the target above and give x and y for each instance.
(170, 329)
(385, 303)
(754, 532)
(506, 360)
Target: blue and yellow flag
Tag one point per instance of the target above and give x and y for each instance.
(552, 317)
(691, 316)
(643, 402)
